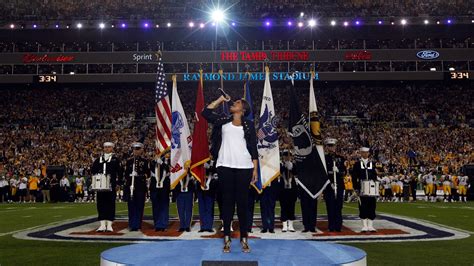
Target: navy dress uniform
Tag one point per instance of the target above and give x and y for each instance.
(364, 169)
(184, 192)
(288, 192)
(334, 193)
(137, 170)
(267, 206)
(206, 197)
(160, 193)
(107, 164)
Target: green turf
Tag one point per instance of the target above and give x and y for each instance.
(15, 217)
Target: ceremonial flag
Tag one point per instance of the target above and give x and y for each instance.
(267, 138)
(181, 139)
(248, 96)
(314, 122)
(162, 112)
(200, 151)
(312, 175)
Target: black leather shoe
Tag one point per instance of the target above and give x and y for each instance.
(181, 230)
(188, 229)
(305, 231)
(202, 231)
(271, 231)
(264, 231)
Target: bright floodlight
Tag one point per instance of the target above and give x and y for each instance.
(300, 24)
(201, 25)
(404, 21)
(79, 25)
(191, 24)
(168, 24)
(217, 15)
(426, 21)
(346, 23)
(101, 25)
(312, 23)
(12, 26)
(333, 23)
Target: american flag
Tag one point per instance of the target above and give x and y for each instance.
(162, 112)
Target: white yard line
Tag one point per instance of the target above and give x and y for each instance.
(421, 220)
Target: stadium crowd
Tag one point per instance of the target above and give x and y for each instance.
(219, 44)
(47, 10)
(412, 127)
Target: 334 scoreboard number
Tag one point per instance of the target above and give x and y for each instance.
(46, 79)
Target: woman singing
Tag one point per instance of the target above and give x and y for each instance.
(234, 147)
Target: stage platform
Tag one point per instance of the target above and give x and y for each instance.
(264, 253)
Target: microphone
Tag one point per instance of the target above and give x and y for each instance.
(224, 94)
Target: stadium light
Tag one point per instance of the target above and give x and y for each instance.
(449, 21)
(146, 25)
(300, 24)
(201, 25)
(312, 23)
(101, 25)
(426, 22)
(218, 16)
(56, 26)
(346, 23)
(380, 22)
(437, 22)
(289, 23)
(403, 21)
(357, 22)
(451, 69)
(191, 24)
(79, 25)
(123, 25)
(168, 24)
(157, 25)
(472, 21)
(268, 23)
(35, 26)
(333, 23)
(302, 14)
(12, 26)
(233, 24)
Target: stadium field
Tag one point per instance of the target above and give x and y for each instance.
(18, 217)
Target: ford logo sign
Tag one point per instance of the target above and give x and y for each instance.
(427, 54)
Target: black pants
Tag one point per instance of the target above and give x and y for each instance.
(367, 207)
(251, 203)
(287, 203)
(309, 207)
(334, 207)
(234, 186)
(106, 205)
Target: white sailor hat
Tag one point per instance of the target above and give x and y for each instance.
(366, 149)
(109, 144)
(330, 141)
(137, 145)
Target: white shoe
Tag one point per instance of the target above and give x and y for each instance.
(290, 226)
(426, 198)
(370, 226)
(102, 226)
(364, 225)
(285, 226)
(231, 229)
(109, 226)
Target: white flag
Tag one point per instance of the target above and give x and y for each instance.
(181, 139)
(315, 124)
(267, 138)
